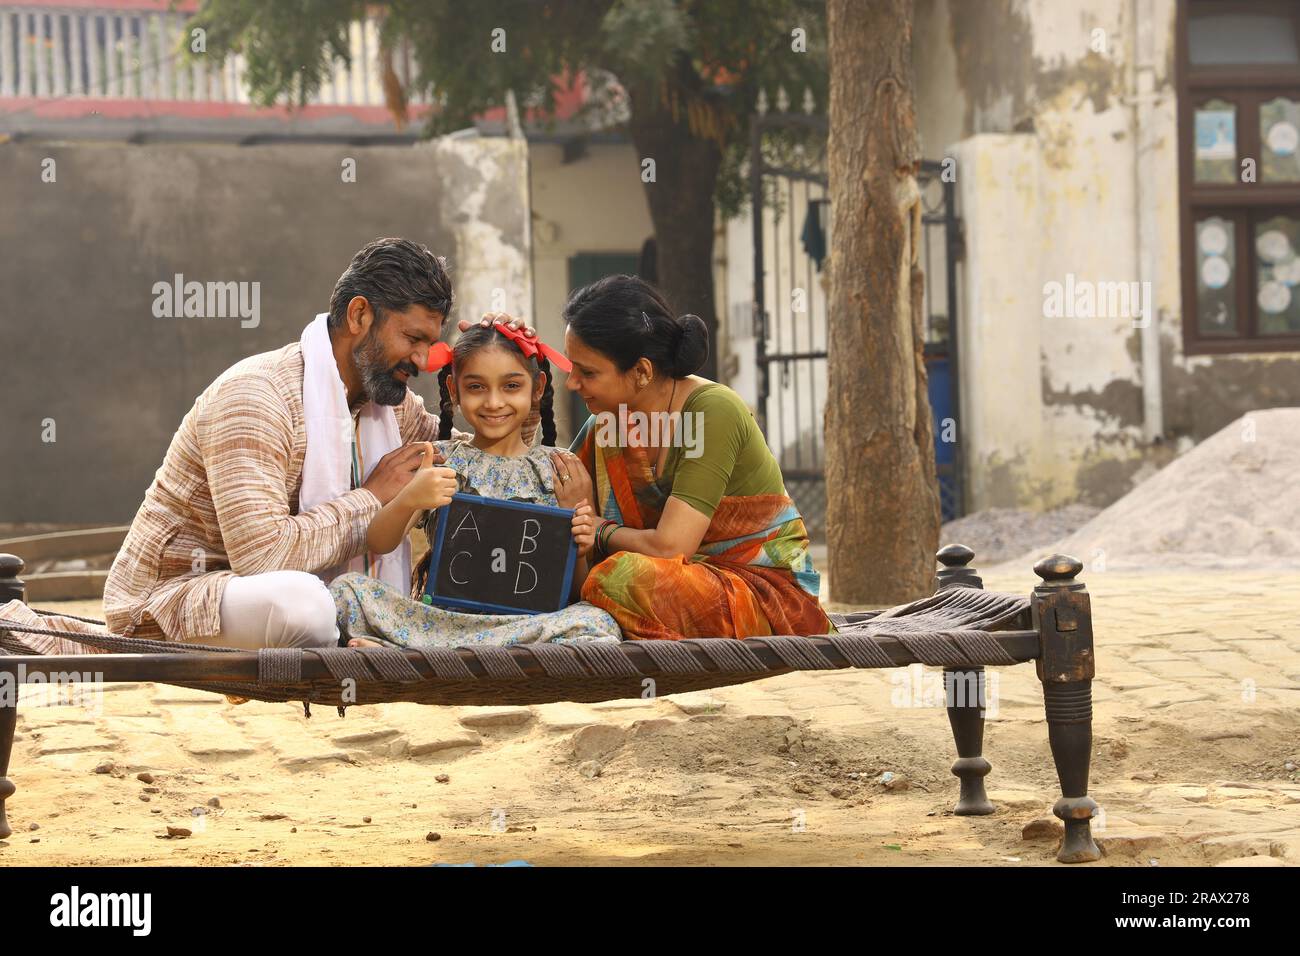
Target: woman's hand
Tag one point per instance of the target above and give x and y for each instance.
(572, 483)
(489, 317)
(584, 528)
(431, 486)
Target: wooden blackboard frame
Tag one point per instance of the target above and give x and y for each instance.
(460, 603)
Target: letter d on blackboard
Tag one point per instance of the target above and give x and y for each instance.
(519, 574)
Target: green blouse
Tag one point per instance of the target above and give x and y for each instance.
(717, 452)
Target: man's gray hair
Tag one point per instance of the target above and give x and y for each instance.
(393, 274)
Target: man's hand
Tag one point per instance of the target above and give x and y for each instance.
(429, 487)
(489, 317)
(396, 469)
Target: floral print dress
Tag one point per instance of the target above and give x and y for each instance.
(374, 609)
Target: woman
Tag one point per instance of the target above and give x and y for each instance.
(698, 537)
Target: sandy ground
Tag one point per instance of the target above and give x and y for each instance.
(1197, 712)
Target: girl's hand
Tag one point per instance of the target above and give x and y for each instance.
(431, 486)
(584, 528)
(489, 317)
(572, 483)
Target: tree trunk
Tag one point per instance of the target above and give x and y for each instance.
(882, 513)
(681, 208)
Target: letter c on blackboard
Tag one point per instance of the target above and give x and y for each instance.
(451, 566)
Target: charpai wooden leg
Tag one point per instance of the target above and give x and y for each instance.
(964, 696)
(1063, 618)
(8, 719)
(1069, 731)
(964, 691)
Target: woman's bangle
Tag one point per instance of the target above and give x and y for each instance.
(603, 534)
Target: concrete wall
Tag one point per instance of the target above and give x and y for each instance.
(79, 257)
(1051, 184)
(595, 203)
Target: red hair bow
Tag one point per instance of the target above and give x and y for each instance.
(439, 355)
(534, 346)
(440, 352)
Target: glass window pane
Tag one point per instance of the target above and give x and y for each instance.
(1277, 275)
(1216, 276)
(1216, 142)
(1241, 38)
(1279, 134)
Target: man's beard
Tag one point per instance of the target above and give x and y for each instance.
(377, 380)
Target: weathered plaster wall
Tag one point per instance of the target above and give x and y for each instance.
(1043, 128)
(595, 203)
(79, 257)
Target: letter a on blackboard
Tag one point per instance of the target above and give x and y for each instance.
(498, 560)
(468, 519)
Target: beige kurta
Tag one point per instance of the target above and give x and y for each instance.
(225, 503)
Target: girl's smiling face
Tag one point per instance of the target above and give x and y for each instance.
(496, 391)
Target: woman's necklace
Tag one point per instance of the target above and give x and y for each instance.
(654, 465)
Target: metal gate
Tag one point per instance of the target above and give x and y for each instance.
(789, 209)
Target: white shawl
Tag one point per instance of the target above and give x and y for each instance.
(327, 464)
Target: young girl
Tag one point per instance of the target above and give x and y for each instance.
(496, 386)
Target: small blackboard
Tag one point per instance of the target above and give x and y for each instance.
(504, 557)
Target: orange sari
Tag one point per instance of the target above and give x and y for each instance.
(752, 577)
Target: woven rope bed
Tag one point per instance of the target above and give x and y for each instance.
(961, 628)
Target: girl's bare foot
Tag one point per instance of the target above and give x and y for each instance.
(363, 642)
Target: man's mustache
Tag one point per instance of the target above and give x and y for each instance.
(407, 367)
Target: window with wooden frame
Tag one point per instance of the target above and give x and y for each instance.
(1238, 75)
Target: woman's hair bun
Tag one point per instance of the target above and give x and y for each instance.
(627, 319)
(692, 346)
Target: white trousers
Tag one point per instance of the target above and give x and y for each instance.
(277, 609)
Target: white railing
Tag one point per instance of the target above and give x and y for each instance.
(46, 52)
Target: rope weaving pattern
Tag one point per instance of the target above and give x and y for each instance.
(671, 657)
(731, 655)
(121, 645)
(860, 651)
(566, 665)
(279, 665)
(796, 653)
(956, 627)
(607, 660)
(446, 663)
(499, 663)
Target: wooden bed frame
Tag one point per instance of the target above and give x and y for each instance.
(1053, 628)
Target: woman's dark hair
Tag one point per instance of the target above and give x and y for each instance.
(479, 337)
(392, 274)
(626, 318)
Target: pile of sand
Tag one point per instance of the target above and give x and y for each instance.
(997, 534)
(1230, 502)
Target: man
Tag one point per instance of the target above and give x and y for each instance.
(220, 552)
